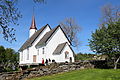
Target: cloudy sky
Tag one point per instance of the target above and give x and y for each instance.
(86, 12)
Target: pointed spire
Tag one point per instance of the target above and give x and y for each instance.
(33, 24)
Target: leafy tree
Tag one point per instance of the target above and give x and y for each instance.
(2, 54)
(39, 1)
(9, 14)
(106, 40)
(8, 58)
(84, 56)
(72, 29)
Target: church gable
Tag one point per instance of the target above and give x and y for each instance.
(48, 36)
(30, 41)
(44, 44)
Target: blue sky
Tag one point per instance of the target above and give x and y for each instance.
(86, 12)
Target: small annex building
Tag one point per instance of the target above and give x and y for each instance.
(45, 44)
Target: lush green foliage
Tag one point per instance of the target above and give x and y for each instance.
(85, 56)
(106, 40)
(8, 58)
(87, 74)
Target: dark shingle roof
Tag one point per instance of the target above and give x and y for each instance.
(47, 36)
(59, 48)
(29, 42)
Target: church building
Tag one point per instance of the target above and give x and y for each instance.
(45, 44)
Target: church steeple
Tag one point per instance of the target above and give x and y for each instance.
(33, 24)
(33, 27)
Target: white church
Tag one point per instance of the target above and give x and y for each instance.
(45, 44)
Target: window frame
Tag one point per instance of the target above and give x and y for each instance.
(66, 55)
(27, 53)
(21, 55)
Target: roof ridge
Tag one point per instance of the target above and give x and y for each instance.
(47, 36)
(30, 40)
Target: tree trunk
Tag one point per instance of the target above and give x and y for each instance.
(116, 62)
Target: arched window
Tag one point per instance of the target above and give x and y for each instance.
(67, 55)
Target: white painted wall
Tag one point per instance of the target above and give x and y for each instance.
(31, 32)
(33, 50)
(61, 57)
(52, 44)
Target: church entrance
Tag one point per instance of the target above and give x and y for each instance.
(34, 58)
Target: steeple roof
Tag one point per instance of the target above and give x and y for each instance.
(33, 24)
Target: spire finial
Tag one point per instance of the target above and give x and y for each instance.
(33, 10)
(33, 24)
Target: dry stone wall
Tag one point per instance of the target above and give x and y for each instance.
(45, 70)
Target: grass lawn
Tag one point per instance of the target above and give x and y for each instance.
(86, 74)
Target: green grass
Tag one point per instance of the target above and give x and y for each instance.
(86, 74)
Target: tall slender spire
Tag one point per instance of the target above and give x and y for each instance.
(33, 28)
(33, 24)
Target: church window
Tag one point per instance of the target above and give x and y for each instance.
(43, 51)
(22, 56)
(27, 53)
(38, 51)
(66, 54)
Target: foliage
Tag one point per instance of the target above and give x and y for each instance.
(9, 14)
(72, 29)
(39, 1)
(85, 56)
(8, 58)
(86, 74)
(106, 40)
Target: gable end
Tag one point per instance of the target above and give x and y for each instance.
(29, 42)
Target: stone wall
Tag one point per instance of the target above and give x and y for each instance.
(45, 70)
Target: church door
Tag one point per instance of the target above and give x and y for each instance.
(70, 59)
(34, 58)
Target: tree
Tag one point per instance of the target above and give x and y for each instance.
(8, 58)
(110, 14)
(9, 14)
(39, 1)
(2, 54)
(106, 40)
(72, 29)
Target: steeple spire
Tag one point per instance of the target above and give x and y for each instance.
(33, 28)
(33, 24)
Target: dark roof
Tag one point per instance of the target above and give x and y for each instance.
(29, 42)
(47, 36)
(59, 48)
